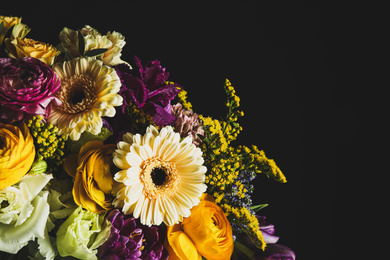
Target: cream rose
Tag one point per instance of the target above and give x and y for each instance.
(112, 41)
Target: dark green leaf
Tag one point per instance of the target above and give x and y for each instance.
(9, 32)
(65, 52)
(1, 27)
(95, 52)
(81, 43)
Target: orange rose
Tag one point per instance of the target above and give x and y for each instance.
(207, 233)
(19, 48)
(17, 153)
(93, 179)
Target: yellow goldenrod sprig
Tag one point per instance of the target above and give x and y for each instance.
(230, 170)
(256, 161)
(242, 217)
(182, 96)
(139, 119)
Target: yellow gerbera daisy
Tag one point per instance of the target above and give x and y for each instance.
(161, 177)
(88, 92)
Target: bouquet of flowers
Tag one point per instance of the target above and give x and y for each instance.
(103, 160)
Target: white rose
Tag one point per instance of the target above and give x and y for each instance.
(24, 212)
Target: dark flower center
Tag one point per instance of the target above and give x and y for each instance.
(77, 94)
(159, 176)
(4, 204)
(77, 97)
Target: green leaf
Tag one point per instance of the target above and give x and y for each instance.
(65, 52)
(9, 32)
(95, 52)
(256, 208)
(244, 249)
(1, 27)
(81, 43)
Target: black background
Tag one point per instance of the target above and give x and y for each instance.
(307, 77)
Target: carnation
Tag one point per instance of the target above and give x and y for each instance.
(27, 89)
(187, 123)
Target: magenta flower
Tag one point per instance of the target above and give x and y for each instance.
(148, 91)
(27, 86)
(130, 240)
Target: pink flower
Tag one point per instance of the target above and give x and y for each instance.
(187, 123)
(27, 86)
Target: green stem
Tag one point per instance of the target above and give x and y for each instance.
(244, 249)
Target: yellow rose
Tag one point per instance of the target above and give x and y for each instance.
(19, 48)
(17, 153)
(207, 233)
(93, 179)
(8, 22)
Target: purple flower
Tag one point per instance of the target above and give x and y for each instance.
(273, 251)
(148, 91)
(27, 86)
(130, 240)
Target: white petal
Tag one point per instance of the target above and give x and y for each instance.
(149, 139)
(124, 146)
(171, 215)
(171, 151)
(157, 212)
(109, 111)
(128, 138)
(35, 183)
(193, 179)
(138, 207)
(151, 129)
(183, 198)
(156, 145)
(133, 173)
(132, 158)
(145, 152)
(190, 169)
(120, 176)
(145, 213)
(182, 207)
(120, 161)
(137, 139)
(134, 193)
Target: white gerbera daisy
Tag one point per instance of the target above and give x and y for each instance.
(88, 92)
(161, 177)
